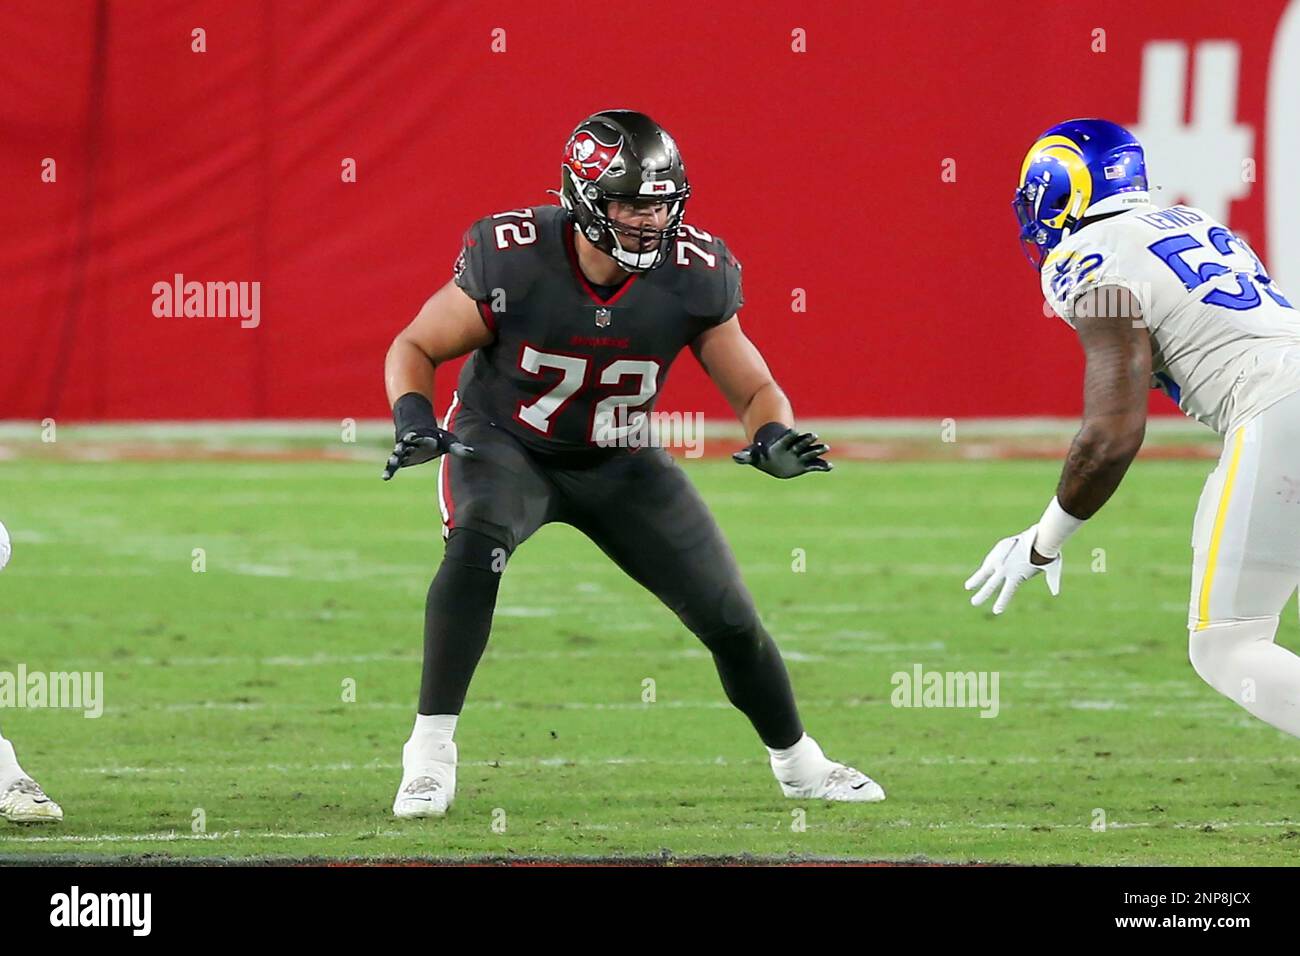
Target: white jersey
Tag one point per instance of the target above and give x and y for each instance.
(1225, 341)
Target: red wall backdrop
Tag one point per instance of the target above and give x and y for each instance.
(822, 169)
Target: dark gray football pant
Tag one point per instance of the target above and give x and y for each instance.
(642, 511)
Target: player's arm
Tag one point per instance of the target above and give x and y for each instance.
(1116, 383)
(447, 326)
(1117, 350)
(736, 366)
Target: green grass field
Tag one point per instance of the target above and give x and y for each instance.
(224, 690)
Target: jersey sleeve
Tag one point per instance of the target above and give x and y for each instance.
(501, 257)
(733, 291)
(471, 268)
(1092, 262)
(715, 291)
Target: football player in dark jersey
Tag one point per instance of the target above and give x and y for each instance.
(574, 314)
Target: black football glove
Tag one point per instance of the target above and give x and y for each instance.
(784, 453)
(419, 439)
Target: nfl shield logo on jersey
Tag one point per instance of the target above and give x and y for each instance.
(602, 318)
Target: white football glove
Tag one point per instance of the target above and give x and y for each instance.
(1008, 566)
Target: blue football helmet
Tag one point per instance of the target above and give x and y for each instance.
(1076, 168)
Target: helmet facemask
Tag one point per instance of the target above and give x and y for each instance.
(649, 247)
(1044, 219)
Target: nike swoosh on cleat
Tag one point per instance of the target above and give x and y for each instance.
(859, 786)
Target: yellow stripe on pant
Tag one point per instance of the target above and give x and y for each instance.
(1220, 517)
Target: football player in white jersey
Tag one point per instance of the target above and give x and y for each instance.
(21, 799)
(1172, 298)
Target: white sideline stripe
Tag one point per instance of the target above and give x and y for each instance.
(174, 837)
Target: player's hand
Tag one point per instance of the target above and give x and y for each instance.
(784, 453)
(1009, 565)
(424, 444)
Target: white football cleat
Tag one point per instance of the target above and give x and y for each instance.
(428, 782)
(840, 783)
(25, 802)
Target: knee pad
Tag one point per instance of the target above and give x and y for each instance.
(473, 549)
(1213, 650)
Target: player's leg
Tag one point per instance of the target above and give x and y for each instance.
(21, 798)
(490, 504)
(644, 513)
(1246, 545)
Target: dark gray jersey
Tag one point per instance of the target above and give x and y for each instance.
(569, 370)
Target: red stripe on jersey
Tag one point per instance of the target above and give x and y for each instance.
(444, 468)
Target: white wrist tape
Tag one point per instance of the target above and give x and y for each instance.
(1054, 529)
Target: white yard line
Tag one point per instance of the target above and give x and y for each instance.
(1176, 706)
(507, 763)
(798, 644)
(173, 836)
(334, 660)
(406, 705)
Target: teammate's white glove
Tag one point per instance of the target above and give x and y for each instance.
(1008, 565)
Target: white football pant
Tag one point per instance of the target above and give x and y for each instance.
(1246, 566)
